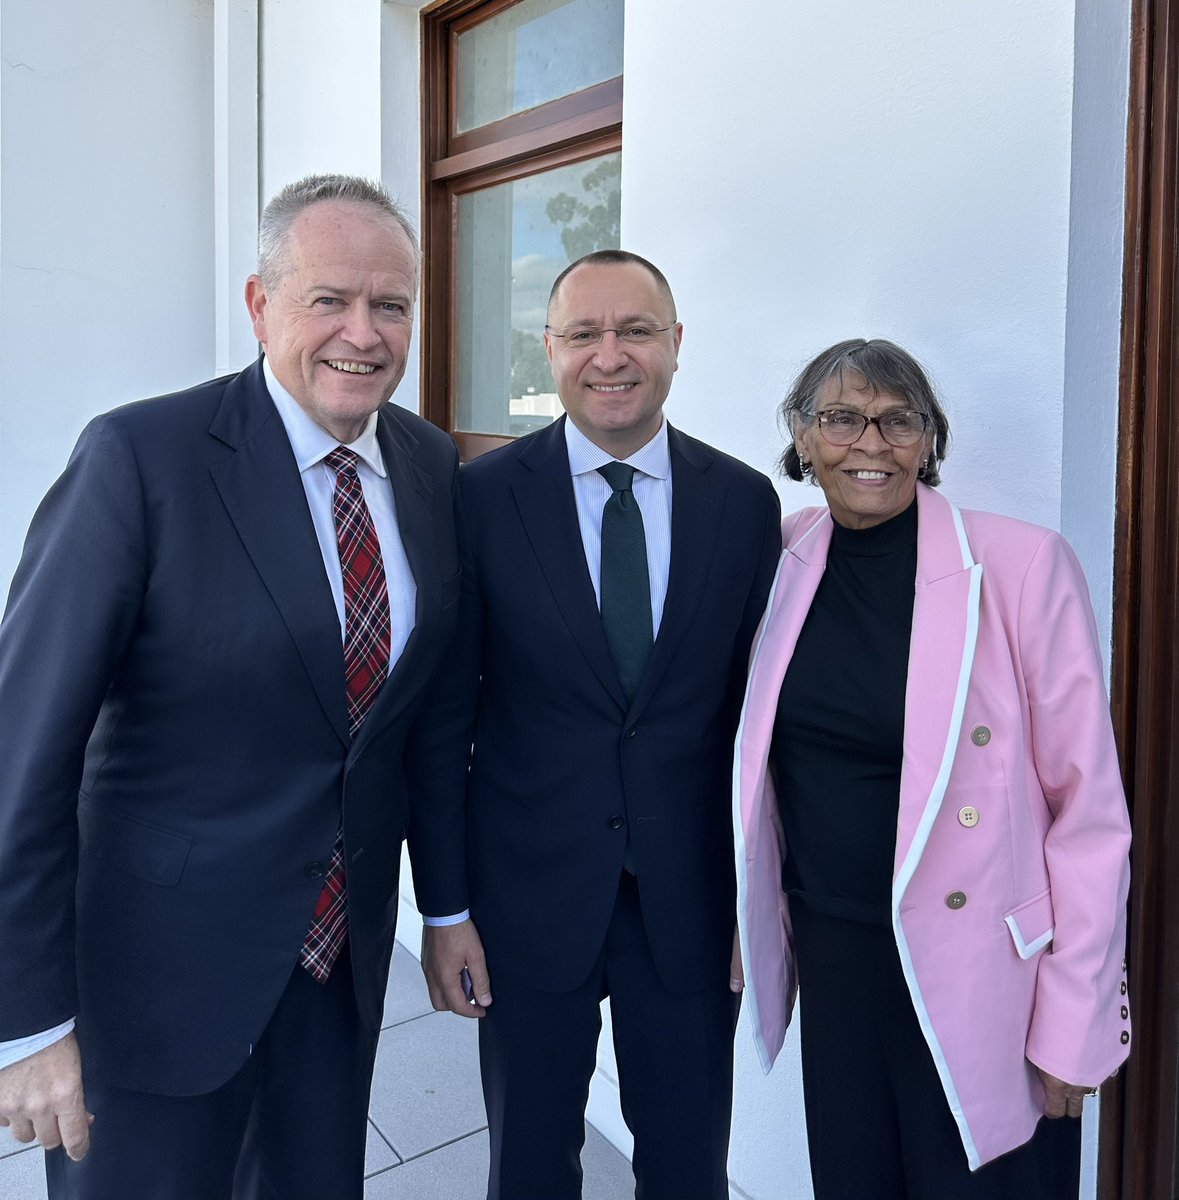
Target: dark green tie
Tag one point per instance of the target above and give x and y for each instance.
(625, 584)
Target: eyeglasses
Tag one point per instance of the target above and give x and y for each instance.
(629, 335)
(841, 427)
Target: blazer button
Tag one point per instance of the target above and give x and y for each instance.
(968, 816)
(632, 731)
(980, 735)
(1125, 1037)
(616, 822)
(313, 870)
(956, 900)
(1123, 987)
(1125, 1013)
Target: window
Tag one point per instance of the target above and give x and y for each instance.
(523, 138)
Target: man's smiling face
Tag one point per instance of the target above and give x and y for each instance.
(336, 324)
(612, 391)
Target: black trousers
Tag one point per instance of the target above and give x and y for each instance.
(878, 1124)
(290, 1125)
(537, 1053)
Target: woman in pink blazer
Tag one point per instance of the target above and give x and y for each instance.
(931, 832)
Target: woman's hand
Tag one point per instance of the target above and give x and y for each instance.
(1063, 1099)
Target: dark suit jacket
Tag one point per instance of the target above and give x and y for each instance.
(562, 767)
(174, 748)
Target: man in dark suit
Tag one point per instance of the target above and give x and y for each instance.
(226, 612)
(598, 672)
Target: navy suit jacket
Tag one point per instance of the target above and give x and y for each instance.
(174, 749)
(562, 768)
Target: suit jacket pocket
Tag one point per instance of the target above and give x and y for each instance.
(1031, 924)
(146, 851)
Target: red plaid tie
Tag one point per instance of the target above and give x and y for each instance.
(366, 666)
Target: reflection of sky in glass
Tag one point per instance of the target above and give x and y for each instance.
(538, 256)
(534, 52)
(500, 321)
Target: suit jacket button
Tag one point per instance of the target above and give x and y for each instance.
(313, 870)
(980, 735)
(968, 816)
(632, 731)
(1125, 1013)
(956, 900)
(1123, 987)
(1125, 1036)
(616, 822)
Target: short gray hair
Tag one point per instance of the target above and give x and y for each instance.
(279, 215)
(881, 366)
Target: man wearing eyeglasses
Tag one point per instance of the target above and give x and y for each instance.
(614, 572)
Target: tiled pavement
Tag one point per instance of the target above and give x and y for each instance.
(426, 1138)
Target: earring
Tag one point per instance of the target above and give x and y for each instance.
(923, 470)
(803, 465)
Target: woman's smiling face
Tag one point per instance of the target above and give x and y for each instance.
(870, 481)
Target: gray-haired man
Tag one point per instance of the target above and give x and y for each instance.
(226, 610)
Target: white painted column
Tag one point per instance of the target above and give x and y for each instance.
(235, 175)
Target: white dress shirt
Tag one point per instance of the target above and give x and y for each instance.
(311, 443)
(652, 492)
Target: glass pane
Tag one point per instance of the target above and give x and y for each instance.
(512, 241)
(534, 52)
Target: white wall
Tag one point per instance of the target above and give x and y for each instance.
(106, 247)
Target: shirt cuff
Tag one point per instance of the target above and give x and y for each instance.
(22, 1048)
(457, 919)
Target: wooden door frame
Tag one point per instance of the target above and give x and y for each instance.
(1139, 1135)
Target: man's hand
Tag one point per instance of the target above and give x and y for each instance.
(736, 970)
(1062, 1099)
(41, 1098)
(455, 969)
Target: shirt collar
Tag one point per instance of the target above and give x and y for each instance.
(584, 456)
(311, 442)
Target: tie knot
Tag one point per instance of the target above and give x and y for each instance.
(620, 476)
(342, 460)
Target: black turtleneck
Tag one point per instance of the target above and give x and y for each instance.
(838, 736)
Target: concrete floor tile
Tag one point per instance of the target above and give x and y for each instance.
(9, 1144)
(459, 1169)
(426, 1090)
(378, 1154)
(22, 1176)
(607, 1173)
(406, 996)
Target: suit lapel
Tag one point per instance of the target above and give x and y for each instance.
(544, 498)
(941, 655)
(263, 494)
(697, 503)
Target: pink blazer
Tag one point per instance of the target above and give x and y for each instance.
(1011, 873)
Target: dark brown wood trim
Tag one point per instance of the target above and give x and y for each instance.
(603, 100)
(471, 445)
(1139, 1150)
(561, 156)
(527, 145)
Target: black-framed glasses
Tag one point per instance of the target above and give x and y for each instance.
(842, 427)
(629, 335)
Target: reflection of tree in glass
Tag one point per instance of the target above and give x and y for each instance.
(592, 223)
(530, 365)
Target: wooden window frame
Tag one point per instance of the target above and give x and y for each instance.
(567, 130)
(1139, 1135)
